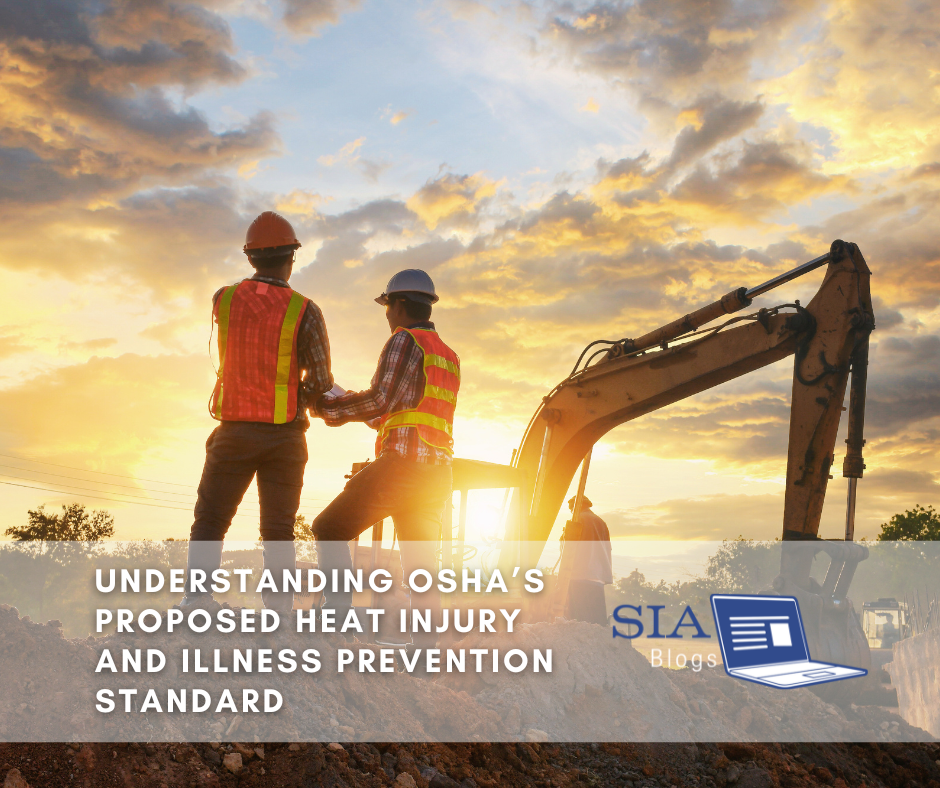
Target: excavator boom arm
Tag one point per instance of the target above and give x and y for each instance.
(586, 406)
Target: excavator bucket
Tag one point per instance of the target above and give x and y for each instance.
(833, 629)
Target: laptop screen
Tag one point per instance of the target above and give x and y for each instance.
(759, 630)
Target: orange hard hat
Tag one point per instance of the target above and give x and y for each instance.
(269, 231)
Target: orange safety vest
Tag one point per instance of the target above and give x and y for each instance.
(258, 373)
(433, 416)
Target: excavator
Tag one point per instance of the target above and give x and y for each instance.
(616, 381)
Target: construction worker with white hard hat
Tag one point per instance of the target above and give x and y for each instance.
(411, 403)
(587, 553)
(274, 360)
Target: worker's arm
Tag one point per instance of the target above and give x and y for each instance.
(392, 386)
(313, 353)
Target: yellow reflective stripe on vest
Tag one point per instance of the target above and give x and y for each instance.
(433, 360)
(284, 348)
(438, 393)
(225, 309)
(411, 418)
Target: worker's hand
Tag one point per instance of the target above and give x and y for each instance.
(316, 409)
(374, 423)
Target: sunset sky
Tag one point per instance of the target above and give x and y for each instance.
(564, 171)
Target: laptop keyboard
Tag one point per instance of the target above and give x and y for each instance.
(785, 669)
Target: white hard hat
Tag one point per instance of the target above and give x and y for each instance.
(413, 281)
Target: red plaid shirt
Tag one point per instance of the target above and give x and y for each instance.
(398, 384)
(313, 353)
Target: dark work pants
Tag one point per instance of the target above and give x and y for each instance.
(235, 452)
(414, 495)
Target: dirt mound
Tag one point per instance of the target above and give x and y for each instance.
(598, 690)
(51, 689)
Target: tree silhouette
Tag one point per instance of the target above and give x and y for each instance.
(73, 525)
(56, 533)
(915, 525)
(303, 531)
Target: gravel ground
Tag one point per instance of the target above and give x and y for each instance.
(468, 765)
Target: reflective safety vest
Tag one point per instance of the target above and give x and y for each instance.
(258, 373)
(433, 416)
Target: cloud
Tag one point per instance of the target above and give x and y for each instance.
(85, 109)
(714, 121)
(727, 516)
(90, 345)
(372, 170)
(128, 405)
(299, 201)
(670, 52)
(308, 17)
(452, 199)
(765, 179)
(590, 106)
(348, 154)
(396, 116)
(712, 517)
(865, 78)
(175, 242)
(12, 343)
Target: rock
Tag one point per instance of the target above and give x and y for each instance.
(733, 774)
(233, 762)
(86, 757)
(755, 778)
(405, 780)
(233, 727)
(214, 758)
(214, 745)
(535, 735)
(259, 751)
(346, 731)
(246, 752)
(738, 751)
(15, 780)
(335, 746)
(295, 747)
(440, 780)
(513, 721)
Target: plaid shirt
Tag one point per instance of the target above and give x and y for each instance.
(313, 353)
(398, 384)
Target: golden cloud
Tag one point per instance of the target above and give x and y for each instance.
(451, 198)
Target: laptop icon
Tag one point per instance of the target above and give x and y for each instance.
(762, 640)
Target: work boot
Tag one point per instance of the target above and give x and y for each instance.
(205, 602)
(204, 556)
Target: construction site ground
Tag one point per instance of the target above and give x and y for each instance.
(585, 699)
(740, 765)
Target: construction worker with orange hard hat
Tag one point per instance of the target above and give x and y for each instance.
(274, 360)
(411, 402)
